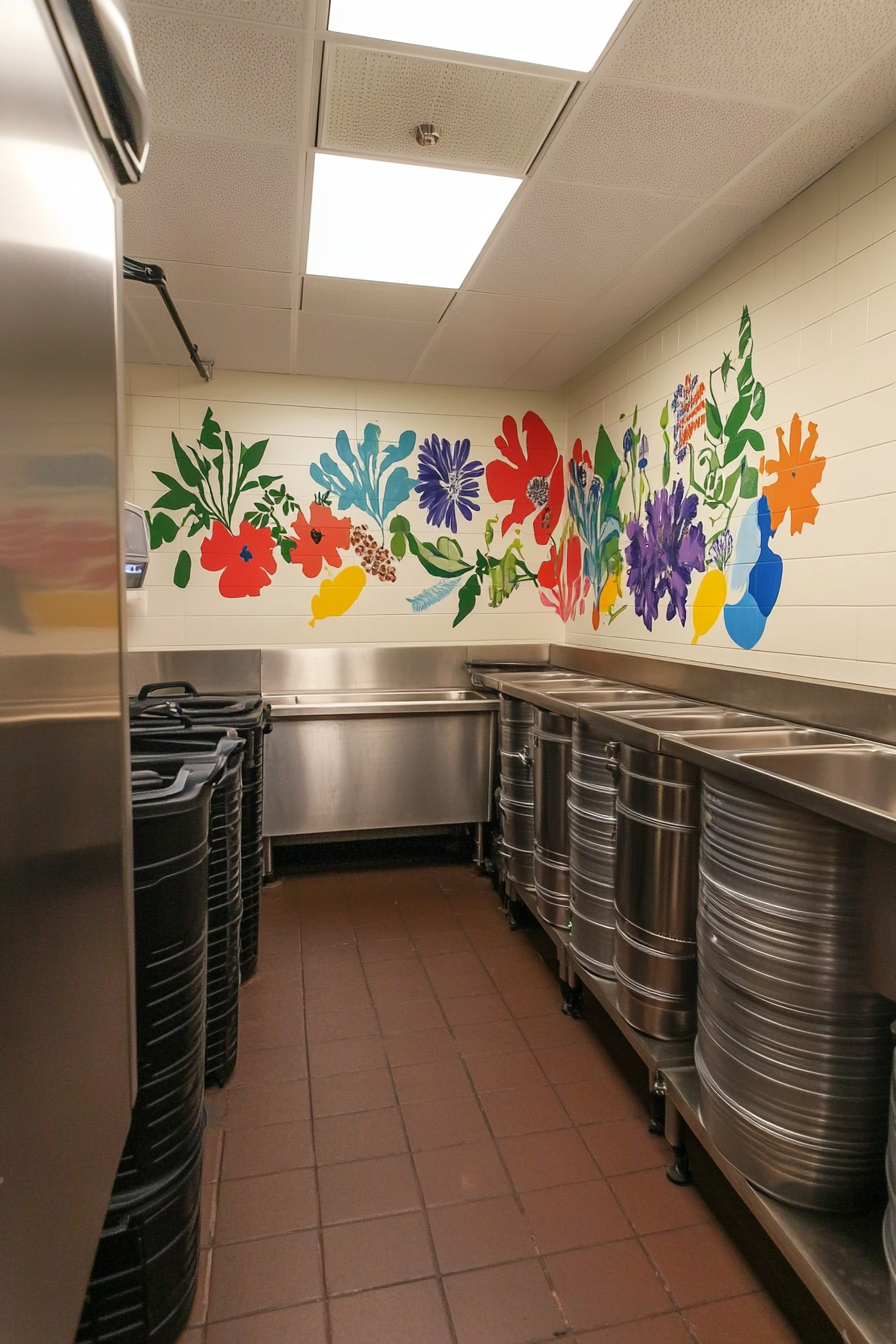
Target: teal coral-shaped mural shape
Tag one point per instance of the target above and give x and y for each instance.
(367, 478)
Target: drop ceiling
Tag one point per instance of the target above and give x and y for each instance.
(698, 122)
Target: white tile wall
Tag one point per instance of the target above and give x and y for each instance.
(819, 278)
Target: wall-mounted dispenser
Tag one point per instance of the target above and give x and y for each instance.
(136, 546)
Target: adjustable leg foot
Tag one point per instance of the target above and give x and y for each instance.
(572, 1000)
(680, 1171)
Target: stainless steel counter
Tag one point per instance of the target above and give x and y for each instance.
(848, 778)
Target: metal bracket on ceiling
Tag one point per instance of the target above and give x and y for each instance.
(149, 274)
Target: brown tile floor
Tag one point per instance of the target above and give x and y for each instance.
(417, 1147)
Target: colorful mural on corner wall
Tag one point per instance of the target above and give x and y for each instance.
(633, 527)
(649, 524)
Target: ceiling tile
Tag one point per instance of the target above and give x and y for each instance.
(373, 298)
(475, 357)
(872, 93)
(551, 366)
(225, 284)
(294, 13)
(489, 118)
(250, 75)
(568, 242)
(792, 52)
(654, 279)
(358, 347)
(624, 135)
(472, 308)
(809, 151)
(240, 337)
(213, 202)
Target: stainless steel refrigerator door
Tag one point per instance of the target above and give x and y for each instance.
(65, 909)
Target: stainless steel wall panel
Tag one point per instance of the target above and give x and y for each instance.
(363, 667)
(66, 1021)
(209, 670)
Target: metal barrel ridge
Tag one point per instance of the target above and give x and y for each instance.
(553, 750)
(657, 840)
(592, 850)
(793, 1049)
(516, 719)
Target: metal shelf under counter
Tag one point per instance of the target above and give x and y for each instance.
(839, 1258)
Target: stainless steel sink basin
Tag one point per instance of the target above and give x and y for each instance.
(699, 719)
(624, 696)
(860, 774)
(737, 741)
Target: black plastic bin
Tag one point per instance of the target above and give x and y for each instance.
(161, 707)
(224, 891)
(144, 1274)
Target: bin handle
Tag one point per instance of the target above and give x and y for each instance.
(186, 686)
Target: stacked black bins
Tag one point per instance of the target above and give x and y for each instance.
(159, 707)
(143, 1280)
(225, 906)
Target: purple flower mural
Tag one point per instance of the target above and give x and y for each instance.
(447, 481)
(663, 555)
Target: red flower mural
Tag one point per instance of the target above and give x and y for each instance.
(246, 559)
(320, 540)
(533, 478)
(561, 584)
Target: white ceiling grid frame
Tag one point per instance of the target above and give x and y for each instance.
(491, 119)
(821, 61)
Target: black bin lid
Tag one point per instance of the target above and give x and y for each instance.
(166, 704)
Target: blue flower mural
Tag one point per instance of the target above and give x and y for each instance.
(447, 481)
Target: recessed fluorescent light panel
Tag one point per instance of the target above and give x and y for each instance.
(570, 34)
(404, 223)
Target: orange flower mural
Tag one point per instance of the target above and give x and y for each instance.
(798, 473)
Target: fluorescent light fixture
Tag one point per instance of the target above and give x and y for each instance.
(409, 224)
(570, 34)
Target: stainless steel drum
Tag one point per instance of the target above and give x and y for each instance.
(553, 743)
(592, 851)
(657, 843)
(516, 724)
(793, 1050)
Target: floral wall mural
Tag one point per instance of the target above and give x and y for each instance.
(675, 526)
(686, 533)
(351, 532)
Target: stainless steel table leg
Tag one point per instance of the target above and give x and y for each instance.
(267, 856)
(679, 1173)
